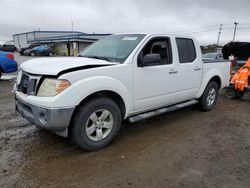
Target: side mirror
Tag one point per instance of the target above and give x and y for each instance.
(151, 59)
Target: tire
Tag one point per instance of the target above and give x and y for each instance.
(88, 131)
(209, 98)
(0, 74)
(231, 93)
(32, 54)
(50, 54)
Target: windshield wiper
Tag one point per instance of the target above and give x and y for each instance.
(97, 57)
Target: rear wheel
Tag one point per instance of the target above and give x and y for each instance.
(51, 54)
(0, 73)
(209, 97)
(33, 54)
(96, 124)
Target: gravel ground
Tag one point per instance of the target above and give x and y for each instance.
(186, 148)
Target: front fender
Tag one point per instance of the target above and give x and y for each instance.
(78, 91)
(95, 84)
(207, 77)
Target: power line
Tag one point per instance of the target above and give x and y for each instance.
(244, 23)
(202, 31)
(243, 28)
(211, 28)
(196, 29)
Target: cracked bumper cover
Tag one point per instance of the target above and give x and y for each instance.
(54, 119)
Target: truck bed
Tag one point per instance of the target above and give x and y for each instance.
(223, 66)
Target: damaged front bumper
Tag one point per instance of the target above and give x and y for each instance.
(54, 119)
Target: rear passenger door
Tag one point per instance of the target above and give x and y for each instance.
(189, 68)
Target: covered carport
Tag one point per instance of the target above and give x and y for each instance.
(69, 45)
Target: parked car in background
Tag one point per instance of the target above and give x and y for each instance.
(8, 48)
(212, 56)
(39, 51)
(29, 47)
(126, 76)
(7, 63)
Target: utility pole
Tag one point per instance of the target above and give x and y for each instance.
(235, 28)
(220, 29)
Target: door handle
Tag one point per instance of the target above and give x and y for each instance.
(173, 72)
(197, 69)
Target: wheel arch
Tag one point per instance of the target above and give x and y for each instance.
(33, 52)
(103, 93)
(210, 76)
(217, 80)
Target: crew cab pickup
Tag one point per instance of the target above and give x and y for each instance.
(124, 76)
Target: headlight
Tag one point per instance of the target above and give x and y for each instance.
(52, 87)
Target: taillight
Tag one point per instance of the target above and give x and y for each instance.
(10, 56)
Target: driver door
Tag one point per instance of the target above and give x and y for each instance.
(154, 84)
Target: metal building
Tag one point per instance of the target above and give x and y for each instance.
(63, 42)
(23, 39)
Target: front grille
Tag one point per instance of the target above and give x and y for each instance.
(23, 85)
(28, 84)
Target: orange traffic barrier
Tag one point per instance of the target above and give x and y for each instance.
(240, 79)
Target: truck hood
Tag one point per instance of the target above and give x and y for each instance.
(55, 65)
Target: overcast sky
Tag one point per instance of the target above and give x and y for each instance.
(194, 17)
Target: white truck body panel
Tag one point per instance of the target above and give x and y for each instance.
(155, 87)
(54, 65)
(221, 69)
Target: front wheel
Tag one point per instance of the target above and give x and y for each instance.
(96, 124)
(209, 98)
(33, 54)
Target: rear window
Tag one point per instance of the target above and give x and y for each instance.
(186, 50)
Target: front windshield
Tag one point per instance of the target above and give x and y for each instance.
(210, 55)
(114, 48)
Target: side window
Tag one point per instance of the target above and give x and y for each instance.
(186, 50)
(159, 45)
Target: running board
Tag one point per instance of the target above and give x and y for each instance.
(161, 111)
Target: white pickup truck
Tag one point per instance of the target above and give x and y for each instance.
(124, 76)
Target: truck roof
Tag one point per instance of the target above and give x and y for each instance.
(155, 34)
